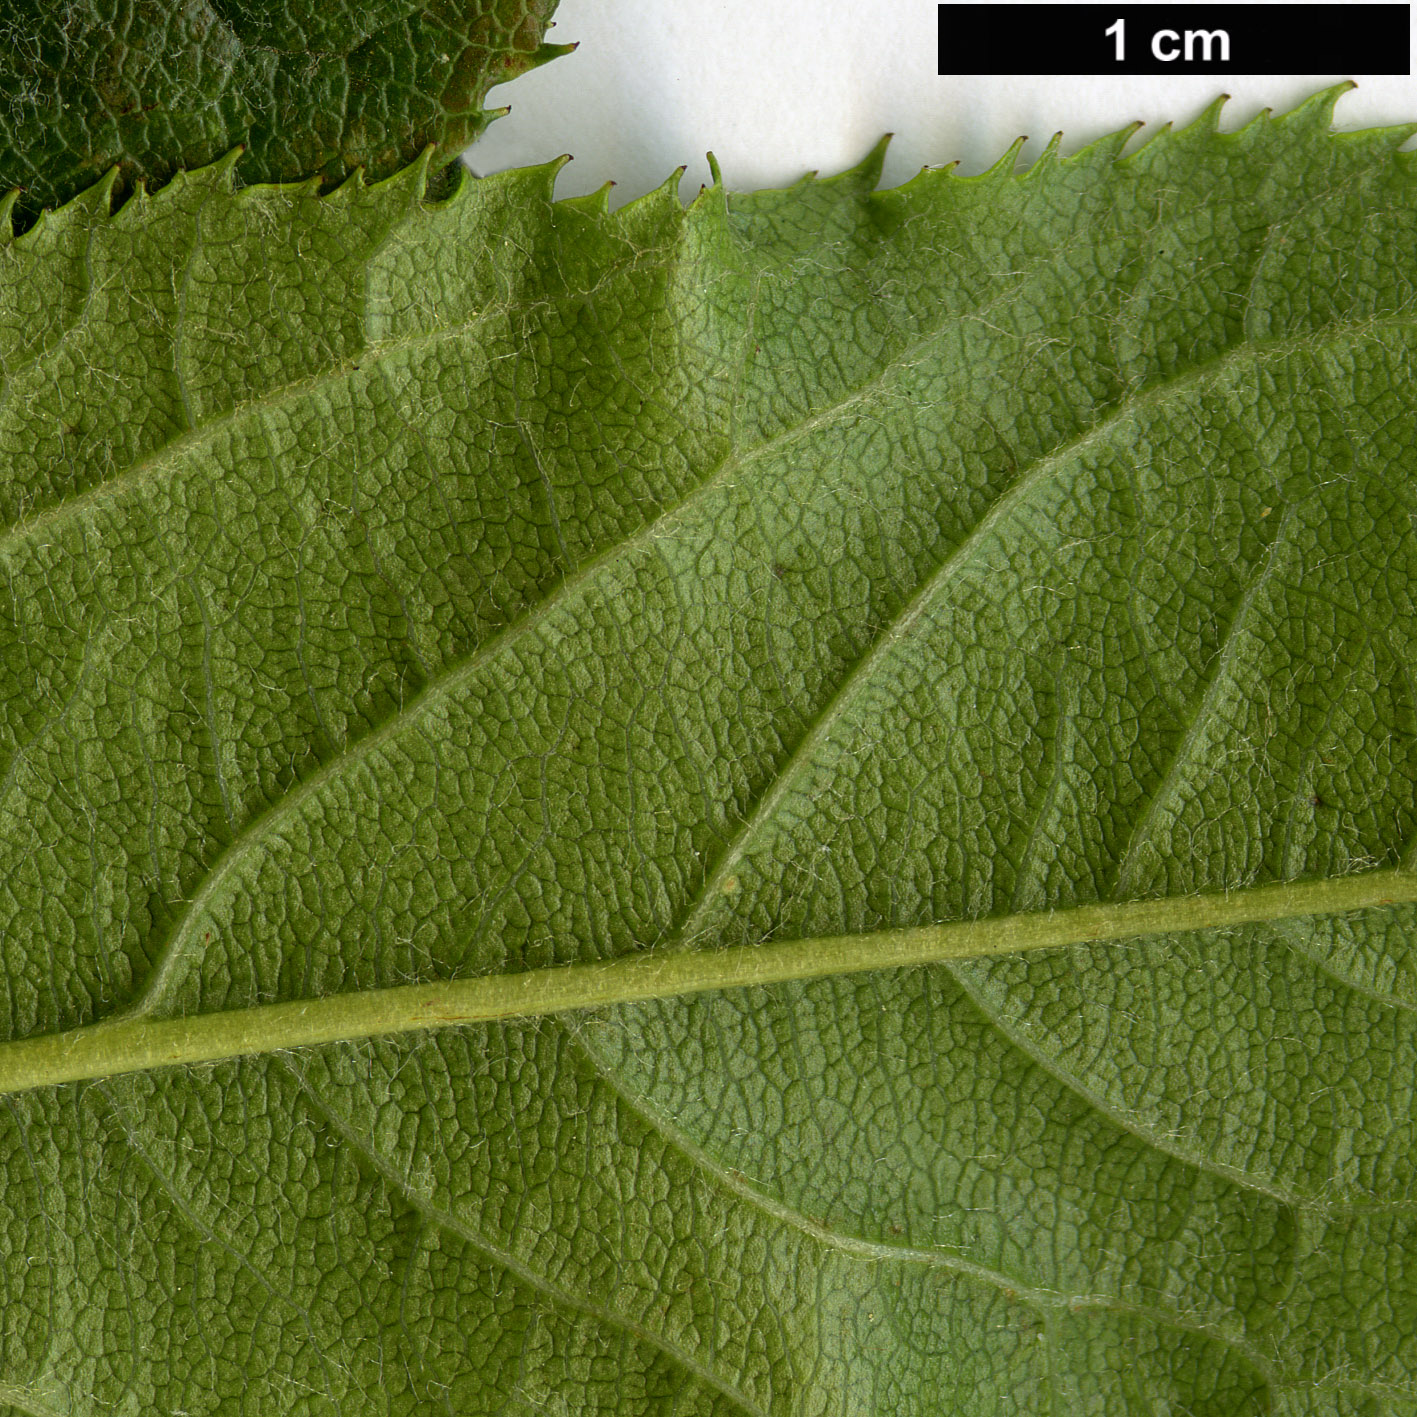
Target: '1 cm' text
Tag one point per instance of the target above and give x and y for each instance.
(1170, 45)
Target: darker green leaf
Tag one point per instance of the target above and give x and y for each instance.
(311, 87)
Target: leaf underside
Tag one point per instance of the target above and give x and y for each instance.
(311, 87)
(398, 592)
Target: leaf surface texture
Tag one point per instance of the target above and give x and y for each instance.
(397, 591)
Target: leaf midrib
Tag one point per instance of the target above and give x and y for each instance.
(141, 1043)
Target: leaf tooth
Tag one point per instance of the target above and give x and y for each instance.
(1164, 138)
(92, 201)
(595, 203)
(538, 179)
(414, 176)
(287, 191)
(545, 53)
(1051, 156)
(1207, 121)
(1104, 151)
(1316, 111)
(862, 176)
(219, 175)
(1204, 128)
(215, 178)
(928, 182)
(473, 125)
(658, 201)
(98, 200)
(352, 184)
(713, 197)
(1003, 169)
(1263, 119)
(670, 186)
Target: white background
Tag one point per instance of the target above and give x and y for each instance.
(777, 87)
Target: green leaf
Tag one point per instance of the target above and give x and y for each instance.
(312, 87)
(403, 594)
